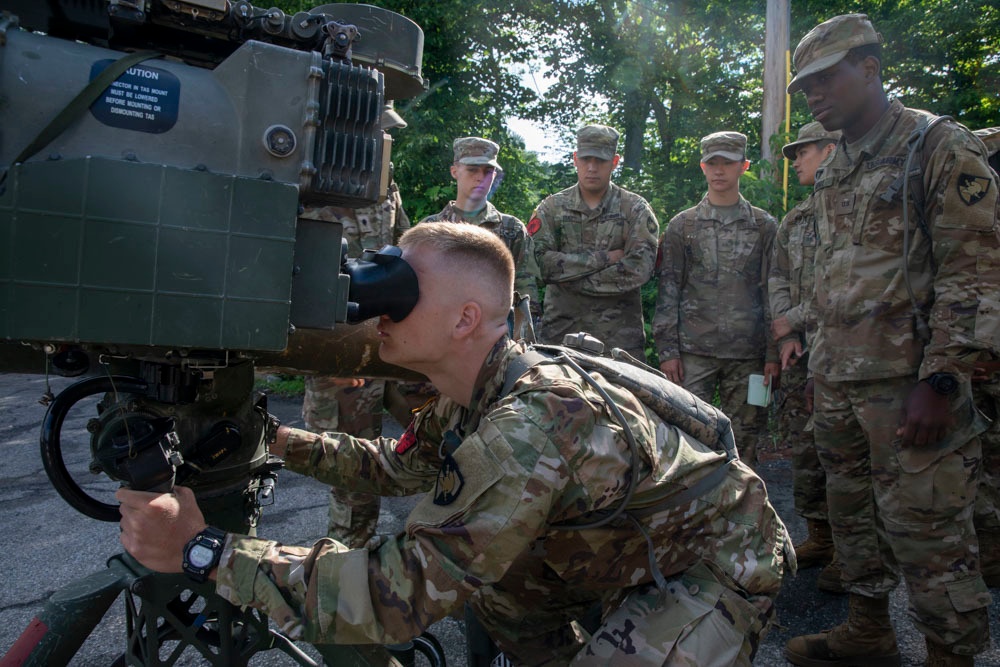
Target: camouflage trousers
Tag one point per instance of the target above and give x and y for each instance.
(795, 431)
(987, 517)
(328, 406)
(699, 621)
(704, 375)
(905, 512)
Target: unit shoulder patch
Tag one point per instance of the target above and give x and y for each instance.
(972, 189)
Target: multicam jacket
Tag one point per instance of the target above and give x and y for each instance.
(712, 298)
(512, 232)
(369, 227)
(793, 268)
(500, 476)
(866, 329)
(584, 290)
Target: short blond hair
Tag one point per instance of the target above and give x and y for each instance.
(469, 249)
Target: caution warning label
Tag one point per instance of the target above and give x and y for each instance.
(144, 98)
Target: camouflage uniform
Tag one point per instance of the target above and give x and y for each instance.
(512, 232)
(987, 397)
(584, 290)
(987, 515)
(544, 454)
(790, 286)
(711, 309)
(897, 510)
(358, 410)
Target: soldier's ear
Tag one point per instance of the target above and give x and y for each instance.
(469, 318)
(872, 68)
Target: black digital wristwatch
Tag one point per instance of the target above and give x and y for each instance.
(202, 553)
(945, 384)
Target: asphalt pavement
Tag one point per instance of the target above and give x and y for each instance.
(48, 545)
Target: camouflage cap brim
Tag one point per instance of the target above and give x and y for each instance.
(729, 155)
(789, 150)
(594, 151)
(480, 159)
(817, 65)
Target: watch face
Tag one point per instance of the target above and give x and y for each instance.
(200, 556)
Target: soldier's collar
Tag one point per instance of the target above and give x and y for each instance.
(487, 386)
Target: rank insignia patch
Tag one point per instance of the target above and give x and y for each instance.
(449, 482)
(972, 188)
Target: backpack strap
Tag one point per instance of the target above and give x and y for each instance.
(914, 185)
(910, 185)
(520, 365)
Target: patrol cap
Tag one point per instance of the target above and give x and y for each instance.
(597, 141)
(809, 133)
(390, 118)
(476, 150)
(827, 44)
(730, 145)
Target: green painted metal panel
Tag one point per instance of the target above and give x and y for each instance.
(128, 253)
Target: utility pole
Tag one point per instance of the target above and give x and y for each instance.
(776, 45)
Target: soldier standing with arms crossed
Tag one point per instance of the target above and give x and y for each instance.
(595, 245)
(711, 323)
(901, 325)
(790, 287)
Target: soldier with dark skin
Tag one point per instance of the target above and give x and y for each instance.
(514, 467)
(790, 286)
(711, 322)
(904, 308)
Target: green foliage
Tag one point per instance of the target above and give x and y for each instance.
(287, 386)
(665, 73)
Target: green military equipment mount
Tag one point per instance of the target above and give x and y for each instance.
(150, 238)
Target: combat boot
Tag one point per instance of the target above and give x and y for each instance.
(989, 556)
(865, 639)
(817, 549)
(940, 656)
(829, 579)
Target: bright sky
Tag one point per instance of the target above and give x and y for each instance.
(546, 144)
(536, 140)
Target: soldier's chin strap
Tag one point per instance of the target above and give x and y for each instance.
(382, 283)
